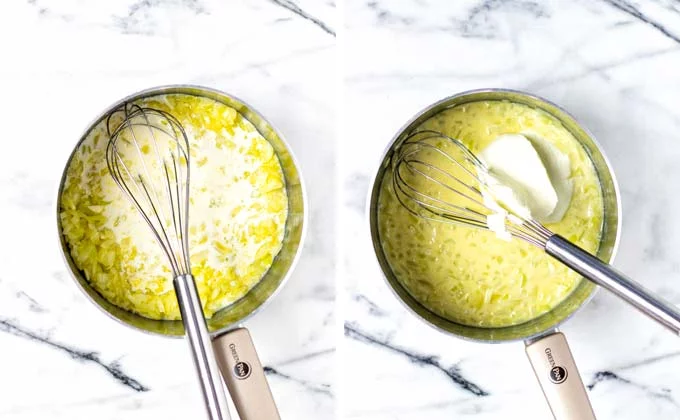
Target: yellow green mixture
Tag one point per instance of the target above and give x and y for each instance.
(470, 275)
(237, 211)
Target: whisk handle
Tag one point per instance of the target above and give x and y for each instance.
(606, 276)
(201, 348)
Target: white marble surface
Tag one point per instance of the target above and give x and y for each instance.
(63, 62)
(614, 64)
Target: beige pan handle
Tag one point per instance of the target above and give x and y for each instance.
(244, 376)
(559, 378)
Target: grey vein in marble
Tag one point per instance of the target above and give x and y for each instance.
(132, 24)
(306, 357)
(385, 16)
(289, 5)
(607, 375)
(114, 368)
(452, 372)
(44, 11)
(478, 23)
(656, 250)
(373, 308)
(141, 5)
(311, 386)
(33, 304)
(648, 361)
(601, 69)
(632, 10)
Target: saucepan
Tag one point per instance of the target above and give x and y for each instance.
(546, 347)
(232, 344)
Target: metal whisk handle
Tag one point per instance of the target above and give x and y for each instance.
(606, 276)
(199, 341)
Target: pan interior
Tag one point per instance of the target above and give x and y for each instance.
(282, 263)
(583, 290)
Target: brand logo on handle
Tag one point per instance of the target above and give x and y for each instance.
(241, 369)
(558, 374)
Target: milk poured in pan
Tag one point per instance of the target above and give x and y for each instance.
(238, 212)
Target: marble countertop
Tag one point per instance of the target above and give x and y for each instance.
(62, 64)
(614, 65)
(611, 63)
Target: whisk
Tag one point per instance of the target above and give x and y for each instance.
(148, 157)
(436, 177)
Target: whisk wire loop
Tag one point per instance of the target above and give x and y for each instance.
(436, 177)
(165, 207)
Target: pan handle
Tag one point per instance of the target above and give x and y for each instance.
(559, 378)
(244, 375)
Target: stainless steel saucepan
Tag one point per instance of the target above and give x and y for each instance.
(546, 347)
(232, 344)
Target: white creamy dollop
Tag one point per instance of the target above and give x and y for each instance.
(527, 176)
(558, 166)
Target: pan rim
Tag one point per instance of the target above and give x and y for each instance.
(376, 178)
(201, 91)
